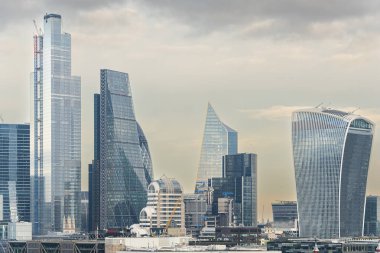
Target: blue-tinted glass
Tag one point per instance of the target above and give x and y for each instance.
(218, 140)
(125, 164)
(15, 172)
(331, 156)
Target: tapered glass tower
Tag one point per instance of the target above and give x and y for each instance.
(56, 132)
(218, 140)
(331, 151)
(125, 163)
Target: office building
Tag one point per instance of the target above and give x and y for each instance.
(84, 207)
(238, 182)
(226, 212)
(164, 212)
(15, 172)
(94, 173)
(195, 212)
(331, 151)
(218, 140)
(125, 165)
(56, 128)
(285, 214)
(372, 216)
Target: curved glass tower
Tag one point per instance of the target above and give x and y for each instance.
(125, 164)
(218, 140)
(331, 151)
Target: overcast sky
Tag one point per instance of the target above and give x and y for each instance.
(255, 61)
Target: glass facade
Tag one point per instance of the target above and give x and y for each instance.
(331, 152)
(56, 133)
(239, 182)
(15, 172)
(94, 172)
(284, 214)
(195, 212)
(124, 171)
(84, 211)
(218, 140)
(372, 216)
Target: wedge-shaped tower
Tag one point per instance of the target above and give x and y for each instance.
(218, 140)
(125, 163)
(331, 152)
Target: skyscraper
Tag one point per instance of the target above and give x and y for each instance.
(15, 172)
(372, 216)
(94, 172)
(218, 140)
(125, 164)
(331, 152)
(239, 182)
(56, 129)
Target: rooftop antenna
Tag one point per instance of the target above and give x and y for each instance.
(319, 105)
(1, 118)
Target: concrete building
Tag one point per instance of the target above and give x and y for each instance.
(195, 212)
(284, 214)
(146, 244)
(20, 231)
(165, 212)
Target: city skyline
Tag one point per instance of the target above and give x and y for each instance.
(254, 77)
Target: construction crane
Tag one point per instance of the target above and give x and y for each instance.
(38, 30)
(168, 223)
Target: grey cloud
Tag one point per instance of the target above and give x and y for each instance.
(15, 11)
(287, 16)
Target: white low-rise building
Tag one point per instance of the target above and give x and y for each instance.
(165, 209)
(20, 231)
(113, 245)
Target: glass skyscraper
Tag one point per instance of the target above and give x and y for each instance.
(15, 172)
(56, 128)
(331, 152)
(372, 216)
(239, 182)
(125, 163)
(218, 140)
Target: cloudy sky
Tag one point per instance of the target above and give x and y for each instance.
(255, 61)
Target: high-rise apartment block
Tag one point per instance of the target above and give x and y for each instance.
(331, 152)
(56, 132)
(15, 172)
(122, 167)
(218, 140)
